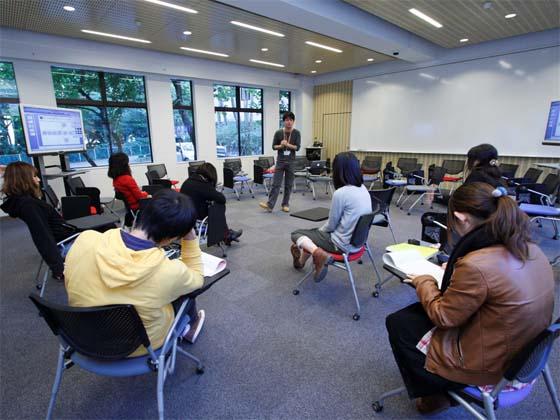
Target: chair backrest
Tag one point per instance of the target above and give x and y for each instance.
(371, 164)
(51, 197)
(407, 165)
(381, 199)
(120, 196)
(551, 183)
(453, 167)
(193, 165)
(75, 206)
(530, 361)
(94, 197)
(165, 183)
(152, 189)
(361, 231)
(159, 169)
(74, 183)
(216, 224)
(316, 167)
(228, 177)
(262, 162)
(233, 164)
(103, 332)
(532, 175)
(258, 172)
(300, 163)
(151, 176)
(436, 174)
(508, 169)
(270, 160)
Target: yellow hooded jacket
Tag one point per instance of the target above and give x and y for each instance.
(101, 270)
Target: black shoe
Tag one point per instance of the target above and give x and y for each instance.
(235, 234)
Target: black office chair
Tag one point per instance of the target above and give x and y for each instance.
(531, 176)
(193, 165)
(211, 230)
(371, 165)
(99, 339)
(152, 189)
(380, 205)
(234, 176)
(75, 206)
(407, 165)
(260, 176)
(159, 171)
(508, 170)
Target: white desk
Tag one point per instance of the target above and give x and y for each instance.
(555, 166)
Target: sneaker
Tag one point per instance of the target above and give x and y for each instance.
(195, 327)
(286, 209)
(321, 261)
(264, 205)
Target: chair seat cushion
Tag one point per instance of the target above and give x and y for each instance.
(538, 210)
(419, 188)
(370, 178)
(351, 257)
(241, 178)
(372, 171)
(380, 220)
(269, 171)
(131, 366)
(268, 176)
(396, 182)
(174, 182)
(319, 178)
(505, 399)
(450, 178)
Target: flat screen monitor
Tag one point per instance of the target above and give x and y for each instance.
(552, 134)
(159, 168)
(52, 130)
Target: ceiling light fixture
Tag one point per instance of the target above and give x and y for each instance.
(425, 18)
(318, 61)
(172, 6)
(69, 8)
(313, 71)
(126, 38)
(266, 63)
(464, 40)
(264, 49)
(256, 28)
(511, 15)
(370, 59)
(325, 47)
(187, 33)
(204, 52)
(427, 76)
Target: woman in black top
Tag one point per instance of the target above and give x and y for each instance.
(201, 188)
(483, 166)
(23, 200)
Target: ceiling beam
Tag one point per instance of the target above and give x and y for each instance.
(339, 20)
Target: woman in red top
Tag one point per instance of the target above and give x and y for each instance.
(119, 171)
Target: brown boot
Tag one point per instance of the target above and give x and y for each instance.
(432, 404)
(321, 260)
(300, 257)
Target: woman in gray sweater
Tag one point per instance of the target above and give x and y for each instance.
(350, 201)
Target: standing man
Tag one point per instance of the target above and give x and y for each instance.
(287, 141)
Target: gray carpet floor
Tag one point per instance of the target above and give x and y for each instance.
(268, 353)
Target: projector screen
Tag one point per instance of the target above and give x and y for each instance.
(502, 100)
(52, 130)
(552, 135)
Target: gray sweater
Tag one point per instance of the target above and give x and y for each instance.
(348, 204)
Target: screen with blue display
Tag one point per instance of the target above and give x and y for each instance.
(552, 135)
(52, 130)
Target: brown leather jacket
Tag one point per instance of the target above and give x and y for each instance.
(494, 306)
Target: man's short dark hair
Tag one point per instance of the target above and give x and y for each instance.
(288, 114)
(167, 215)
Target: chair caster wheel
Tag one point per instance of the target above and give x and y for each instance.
(408, 213)
(39, 286)
(295, 292)
(200, 370)
(356, 317)
(360, 262)
(375, 294)
(377, 407)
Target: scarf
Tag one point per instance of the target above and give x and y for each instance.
(476, 239)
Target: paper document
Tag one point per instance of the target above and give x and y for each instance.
(212, 265)
(426, 251)
(413, 262)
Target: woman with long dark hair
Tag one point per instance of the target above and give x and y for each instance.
(483, 165)
(497, 295)
(350, 201)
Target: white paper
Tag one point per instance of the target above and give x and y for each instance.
(212, 265)
(412, 262)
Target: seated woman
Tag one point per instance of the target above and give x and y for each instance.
(350, 200)
(123, 182)
(23, 200)
(483, 165)
(201, 188)
(118, 267)
(497, 295)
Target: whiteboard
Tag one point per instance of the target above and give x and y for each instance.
(449, 108)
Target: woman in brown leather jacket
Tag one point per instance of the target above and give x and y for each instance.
(497, 295)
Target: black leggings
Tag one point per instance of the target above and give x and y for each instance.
(406, 327)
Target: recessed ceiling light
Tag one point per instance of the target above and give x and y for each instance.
(504, 64)
(511, 15)
(264, 49)
(425, 18)
(266, 63)
(126, 38)
(325, 47)
(427, 76)
(204, 52)
(69, 8)
(464, 40)
(187, 33)
(313, 71)
(172, 6)
(318, 61)
(256, 28)
(370, 59)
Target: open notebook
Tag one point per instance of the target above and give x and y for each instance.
(212, 265)
(413, 262)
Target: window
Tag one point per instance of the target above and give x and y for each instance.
(114, 112)
(185, 143)
(238, 116)
(12, 140)
(285, 103)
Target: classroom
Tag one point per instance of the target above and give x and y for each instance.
(239, 209)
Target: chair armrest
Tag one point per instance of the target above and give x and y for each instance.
(71, 237)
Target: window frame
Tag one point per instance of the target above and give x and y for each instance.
(289, 104)
(238, 109)
(104, 103)
(188, 108)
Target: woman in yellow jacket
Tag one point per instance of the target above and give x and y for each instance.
(118, 267)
